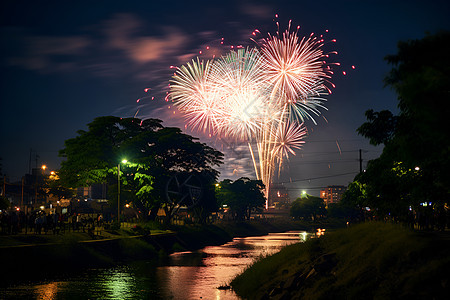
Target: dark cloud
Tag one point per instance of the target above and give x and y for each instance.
(47, 53)
(122, 33)
(256, 10)
(114, 47)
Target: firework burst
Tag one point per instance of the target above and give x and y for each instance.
(260, 95)
(289, 136)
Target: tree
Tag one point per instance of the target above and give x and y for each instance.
(92, 156)
(207, 202)
(308, 207)
(416, 158)
(342, 210)
(4, 203)
(421, 78)
(175, 157)
(156, 154)
(355, 195)
(52, 186)
(380, 127)
(241, 196)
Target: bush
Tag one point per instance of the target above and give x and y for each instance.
(139, 230)
(115, 226)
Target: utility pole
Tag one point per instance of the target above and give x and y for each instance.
(118, 194)
(360, 160)
(4, 186)
(21, 200)
(29, 162)
(36, 159)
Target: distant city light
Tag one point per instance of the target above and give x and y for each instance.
(320, 232)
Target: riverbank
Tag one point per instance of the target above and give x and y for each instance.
(35, 257)
(366, 261)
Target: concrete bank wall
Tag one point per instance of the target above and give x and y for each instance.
(34, 262)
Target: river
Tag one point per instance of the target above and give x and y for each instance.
(183, 275)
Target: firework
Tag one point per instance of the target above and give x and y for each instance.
(239, 80)
(195, 97)
(260, 95)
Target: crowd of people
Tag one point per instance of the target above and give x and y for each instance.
(40, 222)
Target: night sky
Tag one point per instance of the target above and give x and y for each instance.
(62, 65)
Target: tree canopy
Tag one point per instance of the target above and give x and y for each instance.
(381, 126)
(155, 154)
(241, 196)
(413, 167)
(308, 207)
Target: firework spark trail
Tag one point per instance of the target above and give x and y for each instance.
(261, 95)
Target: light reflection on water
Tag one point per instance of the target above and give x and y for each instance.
(186, 275)
(124, 282)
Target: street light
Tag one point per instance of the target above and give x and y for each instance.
(124, 161)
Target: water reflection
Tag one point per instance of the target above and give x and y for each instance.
(196, 275)
(117, 284)
(126, 282)
(47, 291)
(320, 232)
(186, 275)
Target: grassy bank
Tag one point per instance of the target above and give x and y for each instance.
(367, 261)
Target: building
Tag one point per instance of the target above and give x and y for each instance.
(94, 192)
(27, 192)
(278, 196)
(332, 194)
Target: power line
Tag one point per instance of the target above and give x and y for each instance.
(318, 162)
(336, 152)
(333, 141)
(322, 177)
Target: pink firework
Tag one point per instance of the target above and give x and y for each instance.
(295, 68)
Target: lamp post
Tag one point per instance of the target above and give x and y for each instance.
(118, 190)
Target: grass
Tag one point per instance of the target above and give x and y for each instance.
(70, 237)
(370, 261)
(272, 269)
